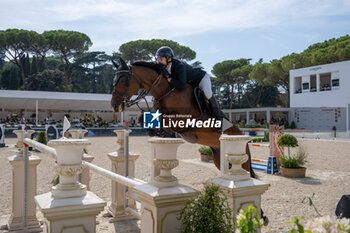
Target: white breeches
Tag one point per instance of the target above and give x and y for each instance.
(205, 86)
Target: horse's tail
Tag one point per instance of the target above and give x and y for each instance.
(252, 173)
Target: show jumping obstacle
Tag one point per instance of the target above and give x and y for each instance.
(275, 132)
(70, 207)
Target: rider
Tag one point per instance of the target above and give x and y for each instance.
(179, 73)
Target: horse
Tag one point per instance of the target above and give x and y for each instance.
(129, 80)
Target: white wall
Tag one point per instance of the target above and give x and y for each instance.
(332, 98)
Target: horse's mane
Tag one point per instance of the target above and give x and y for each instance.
(155, 66)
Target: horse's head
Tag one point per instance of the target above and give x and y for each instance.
(125, 86)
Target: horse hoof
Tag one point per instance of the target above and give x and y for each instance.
(266, 221)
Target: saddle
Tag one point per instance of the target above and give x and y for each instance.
(202, 102)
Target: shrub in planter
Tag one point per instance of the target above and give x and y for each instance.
(257, 139)
(292, 125)
(296, 161)
(292, 166)
(206, 153)
(209, 212)
(334, 131)
(266, 137)
(288, 141)
(42, 137)
(286, 125)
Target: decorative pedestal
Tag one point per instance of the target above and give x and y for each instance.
(20, 137)
(78, 133)
(118, 203)
(164, 160)
(236, 184)
(16, 221)
(77, 214)
(69, 207)
(84, 177)
(163, 199)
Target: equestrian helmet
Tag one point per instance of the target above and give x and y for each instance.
(164, 51)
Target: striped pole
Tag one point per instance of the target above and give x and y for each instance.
(259, 145)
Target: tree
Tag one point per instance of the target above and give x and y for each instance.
(146, 50)
(93, 60)
(105, 80)
(48, 80)
(10, 77)
(329, 51)
(275, 73)
(40, 48)
(257, 95)
(15, 43)
(2, 57)
(67, 45)
(263, 75)
(232, 72)
(34, 66)
(197, 64)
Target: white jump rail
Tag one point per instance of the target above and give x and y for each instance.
(41, 147)
(258, 145)
(254, 129)
(130, 182)
(127, 181)
(259, 160)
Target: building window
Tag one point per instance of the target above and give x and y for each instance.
(325, 82)
(335, 82)
(297, 85)
(313, 87)
(305, 86)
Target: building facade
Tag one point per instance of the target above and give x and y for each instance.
(320, 96)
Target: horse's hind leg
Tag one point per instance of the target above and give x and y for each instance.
(248, 165)
(216, 157)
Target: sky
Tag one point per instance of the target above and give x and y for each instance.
(216, 30)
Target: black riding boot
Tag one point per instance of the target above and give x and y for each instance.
(216, 110)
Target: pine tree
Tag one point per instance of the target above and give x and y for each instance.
(33, 67)
(13, 79)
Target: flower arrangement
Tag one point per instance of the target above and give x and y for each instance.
(325, 224)
(248, 220)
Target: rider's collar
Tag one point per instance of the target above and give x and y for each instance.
(169, 68)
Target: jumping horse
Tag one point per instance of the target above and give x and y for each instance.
(147, 76)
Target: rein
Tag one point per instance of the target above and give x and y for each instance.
(128, 102)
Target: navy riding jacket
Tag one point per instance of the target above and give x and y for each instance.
(182, 73)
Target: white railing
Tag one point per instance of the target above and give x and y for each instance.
(129, 182)
(41, 147)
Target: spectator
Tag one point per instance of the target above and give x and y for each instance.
(132, 122)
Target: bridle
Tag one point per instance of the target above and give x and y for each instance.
(142, 95)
